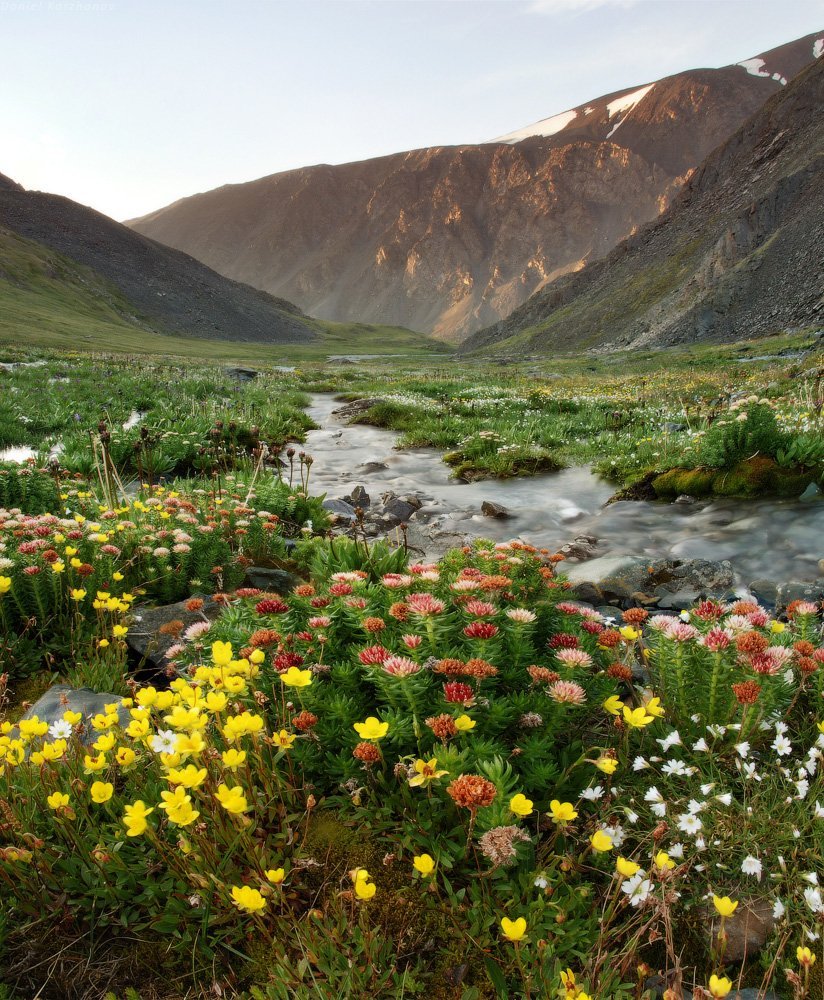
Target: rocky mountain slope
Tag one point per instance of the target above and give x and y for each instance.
(740, 252)
(449, 239)
(105, 269)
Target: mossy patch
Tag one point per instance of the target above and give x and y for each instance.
(754, 477)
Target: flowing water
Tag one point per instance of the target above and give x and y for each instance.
(773, 539)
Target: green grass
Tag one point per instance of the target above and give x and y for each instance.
(49, 301)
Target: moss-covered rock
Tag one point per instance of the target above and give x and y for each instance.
(754, 477)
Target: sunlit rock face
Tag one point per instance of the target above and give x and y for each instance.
(450, 239)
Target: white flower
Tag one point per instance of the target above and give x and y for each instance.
(540, 882)
(751, 866)
(716, 730)
(164, 742)
(750, 772)
(60, 730)
(701, 745)
(617, 833)
(675, 767)
(818, 810)
(638, 888)
(676, 851)
(632, 817)
(778, 910)
(639, 764)
(689, 823)
(780, 728)
(592, 794)
(659, 809)
(695, 807)
(673, 740)
(653, 795)
(743, 750)
(811, 877)
(812, 897)
(803, 786)
(781, 745)
(707, 788)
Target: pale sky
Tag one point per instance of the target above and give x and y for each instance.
(127, 105)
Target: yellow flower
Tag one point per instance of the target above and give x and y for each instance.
(117, 577)
(295, 677)
(58, 567)
(629, 633)
(426, 771)
(119, 631)
(609, 765)
(134, 818)
(464, 723)
(72, 717)
(5, 584)
(221, 653)
(125, 756)
(777, 627)
(664, 861)
(103, 722)
(613, 704)
(58, 800)
(102, 643)
(371, 729)
(138, 728)
(247, 899)
(562, 812)
(276, 875)
(104, 742)
(568, 982)
(601, 841)
(653, 706)
(189, 776)
(364, 889)
(216, 701)
(93, 764)
(626, 867)
(724, 905)
(424, 864)
(233, 759)
(232, 799)
(513, 930)
(257, 656)
(283, 740)
(77, 593)
(521, 805)
(637, 718)
(805, 956)
(720, 987)
(101, 791)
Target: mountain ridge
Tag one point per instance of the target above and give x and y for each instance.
(450, 239)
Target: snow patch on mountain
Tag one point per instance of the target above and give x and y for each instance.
(818, 48)
(628, 101)
(755, 67)
(545, 127)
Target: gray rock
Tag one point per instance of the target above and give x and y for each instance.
(609, 576)
(373, 467)
(491, 509)
(148, 644)
(277, 581)
(796, 590)
(812, 492)
(748, 929)
(339, 507)
(675, 428)
(702, 575)
(399, 509)
(240, 373)
(360, 498)
(679, 601)
(60, 698)
(685, 499)
(764, 591)
(356, 408)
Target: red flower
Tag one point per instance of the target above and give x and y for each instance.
(480, 630)
(563, 641)
(373, 655)
(272, 606)
(458, 693)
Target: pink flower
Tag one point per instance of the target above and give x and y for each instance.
(373, 655)
(681, 632)
(195, 630)
(458, 693)
(400, 666)
(480, 609)
(567, 693)
(480, 630)
(568, 608)
(574, 657)
(717, 639)
(425, 605)
(522, 616)
(412, 641)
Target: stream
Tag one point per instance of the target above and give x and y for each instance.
(763, 539)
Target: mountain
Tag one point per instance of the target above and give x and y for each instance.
(449, 239)
(738, 254)
(61, 262)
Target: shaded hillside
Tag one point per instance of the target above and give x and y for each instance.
(738, 254)
(147, 284)
(449, 239)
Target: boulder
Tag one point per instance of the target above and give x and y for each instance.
(61, 698)
(360, 498)
(701, 575)
(764, 591)
(240, 373)
(812, 492)
(339, 507)
(350, 411)
(748, 929)
(491, 509)
(608, 577)
(400, 508)
(581, 547)
(154, 630)
(797, 590)
(278, 581)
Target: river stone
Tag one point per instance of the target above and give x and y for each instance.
(356, 408)
(764, 591)
(615, 576)
(148, 644)
(339, 507)
(812, 492)
(400, 508)
(702, 575)
(797, 590)
(679, 601)
(373, 467)
(360, 498)
(491, 509)
(60, 698)
(581, 547)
